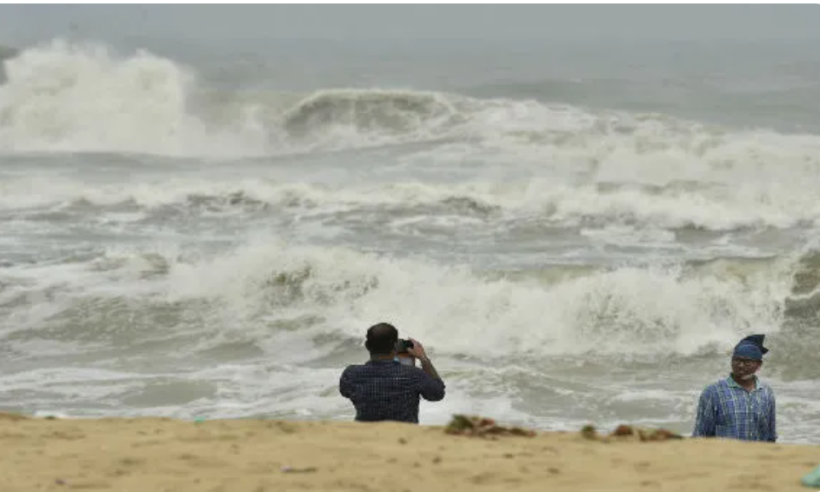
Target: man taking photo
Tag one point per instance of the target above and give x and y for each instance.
(386, 389)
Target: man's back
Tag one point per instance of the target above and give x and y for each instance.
(387, 390)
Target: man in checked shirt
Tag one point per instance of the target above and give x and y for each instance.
(385, 389)
(740, 406)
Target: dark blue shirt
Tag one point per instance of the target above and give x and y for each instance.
(388, 390)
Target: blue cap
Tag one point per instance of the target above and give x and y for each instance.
(751, 347)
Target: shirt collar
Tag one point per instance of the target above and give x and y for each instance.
(733, 384)
(380, 362)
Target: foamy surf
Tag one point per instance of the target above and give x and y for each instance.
(549, 202)
(69, 97)
(250, 291)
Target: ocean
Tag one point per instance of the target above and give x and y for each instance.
(577, 233)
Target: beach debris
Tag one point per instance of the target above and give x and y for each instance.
(812, 479)
(475, 426)
(625, 431)
(588, 432)
(657, 435)
(12, 416)
(290, 469)
(644, 434)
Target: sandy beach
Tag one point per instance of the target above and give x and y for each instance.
(164, 455)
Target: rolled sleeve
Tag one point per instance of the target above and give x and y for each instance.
(772, 421)
(431, 389)
(345, 385)
(705, 422)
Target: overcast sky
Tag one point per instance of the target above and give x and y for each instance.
(22, 24)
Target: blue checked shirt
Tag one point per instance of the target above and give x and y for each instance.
(727, 410)
(388, 390)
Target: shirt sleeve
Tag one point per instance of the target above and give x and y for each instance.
(705, 421)
(772, 421)
(345, 385)
(431, 389)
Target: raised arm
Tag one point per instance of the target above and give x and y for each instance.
(431, 386)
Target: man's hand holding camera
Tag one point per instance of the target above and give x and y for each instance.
(417, 351)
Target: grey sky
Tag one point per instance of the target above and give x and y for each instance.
(22, 24)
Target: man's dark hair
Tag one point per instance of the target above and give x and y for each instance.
(381, 339)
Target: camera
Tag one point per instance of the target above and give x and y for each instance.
(402, 355)
(403, 345)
